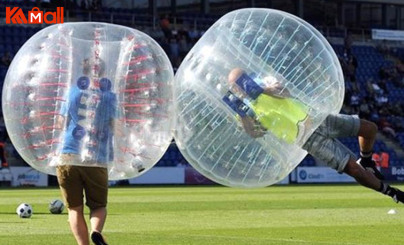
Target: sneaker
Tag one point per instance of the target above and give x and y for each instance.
(370, 166)
(396, 194)
(98, 239)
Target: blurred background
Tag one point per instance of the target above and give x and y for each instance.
(367, 35)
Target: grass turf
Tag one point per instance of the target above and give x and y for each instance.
(285, 215)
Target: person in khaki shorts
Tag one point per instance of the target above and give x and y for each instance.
(88, 117)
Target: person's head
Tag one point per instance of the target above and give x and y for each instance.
(93, 67)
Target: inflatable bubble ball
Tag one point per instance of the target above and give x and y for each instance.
(251, 92)
(90, 94)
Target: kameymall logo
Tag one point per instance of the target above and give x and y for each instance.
(35, 16)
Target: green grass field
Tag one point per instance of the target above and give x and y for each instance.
(286, 215)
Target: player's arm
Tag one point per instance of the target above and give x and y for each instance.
(116, 125)
(248, 85)
(60, 122)
(63, 118)
(248, 121)
(252, 127)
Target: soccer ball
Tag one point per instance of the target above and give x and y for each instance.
(24, 210)
(56, 206)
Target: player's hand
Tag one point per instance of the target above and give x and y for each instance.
(253, 127)
(271, 83)
(274, 88)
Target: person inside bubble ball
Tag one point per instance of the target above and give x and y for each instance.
(88, 118)
(257, 101)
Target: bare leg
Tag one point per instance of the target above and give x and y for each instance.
(367, 135)
(78, 225)
(369, 180)
(362, 176)
(97, 219)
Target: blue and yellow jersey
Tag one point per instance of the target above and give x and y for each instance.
(281, 116)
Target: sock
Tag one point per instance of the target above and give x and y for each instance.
(386, 189)
(383, 187)
(366, 156)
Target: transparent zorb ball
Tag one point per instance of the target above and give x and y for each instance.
(271, 48)
(90, 94)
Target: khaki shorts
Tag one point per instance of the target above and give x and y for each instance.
(73, 180)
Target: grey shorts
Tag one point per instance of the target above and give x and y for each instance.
(324, 146)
